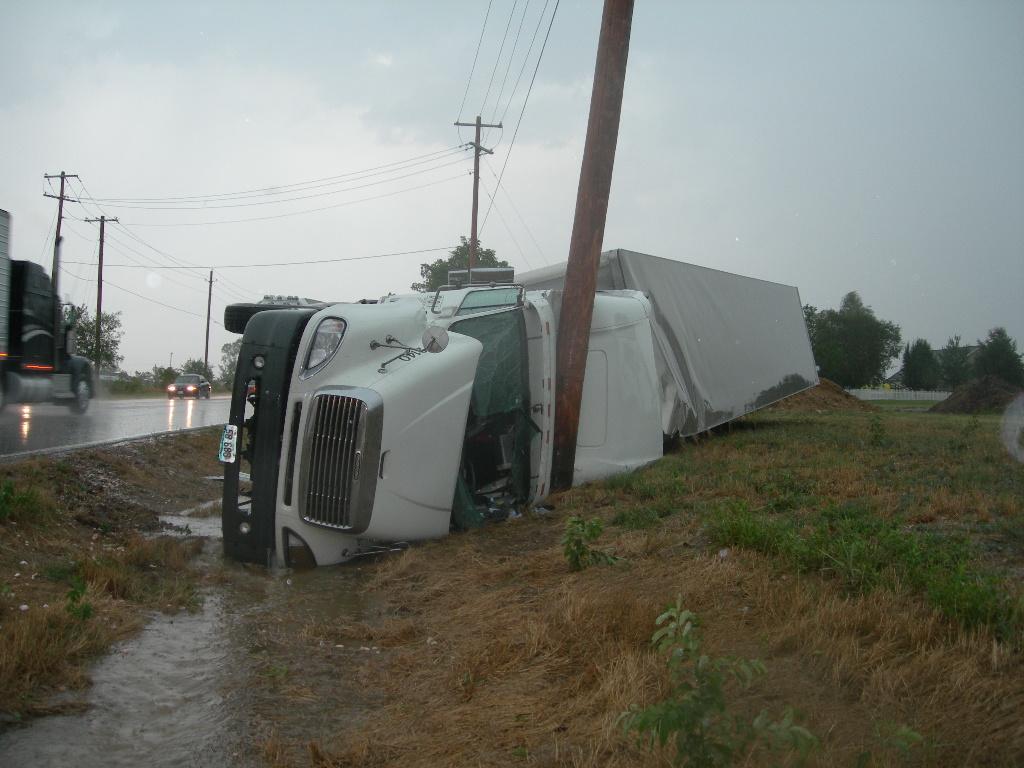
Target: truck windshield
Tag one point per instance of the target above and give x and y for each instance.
(484, 301)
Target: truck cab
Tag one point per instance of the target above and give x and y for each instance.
(34, 365)
(380, 422)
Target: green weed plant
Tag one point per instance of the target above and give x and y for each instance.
(579, 533)
(695, 716)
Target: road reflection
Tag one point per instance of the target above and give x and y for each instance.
(26, 423)
(44, 425)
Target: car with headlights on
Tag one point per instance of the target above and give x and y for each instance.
(189, 385)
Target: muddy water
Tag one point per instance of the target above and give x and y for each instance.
(255, 666)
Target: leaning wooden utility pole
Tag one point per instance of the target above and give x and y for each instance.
(206, 349)
(55, 273)
(588, 234)
(99, 292)
(477, 149)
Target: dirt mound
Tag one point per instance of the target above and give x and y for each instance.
(827, 396)
(989, 393)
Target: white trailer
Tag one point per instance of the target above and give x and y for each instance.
(366, 424)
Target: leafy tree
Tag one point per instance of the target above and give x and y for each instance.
(109, 358)
(954, 364)
(920, 366)
(163, 376)
(998, 356)
(195, 365)
(435, 275)
(229, 361)
(851, 346)
(810, 315)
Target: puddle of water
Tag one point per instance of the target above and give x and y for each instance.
(205, 689)
(156, 700)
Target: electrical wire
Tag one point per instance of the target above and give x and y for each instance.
(133, 293)
(526, 60)
(50, 232)
(515, 209)
(302, 212)
(283, 200)
(278, 189)
(540, 57)
(238, 291)
(497, 59)
(472, 69)
(508, 229)
(508, 66)
(296, 263)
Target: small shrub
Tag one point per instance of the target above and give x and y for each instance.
(76, 605)
(695, 714)
(21, 505)
(575, 543)
(877, 437)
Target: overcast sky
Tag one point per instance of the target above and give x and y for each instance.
(835, 146)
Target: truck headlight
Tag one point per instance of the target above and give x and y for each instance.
(326, 341)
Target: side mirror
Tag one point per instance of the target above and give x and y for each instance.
(70, 341)
(435, 339)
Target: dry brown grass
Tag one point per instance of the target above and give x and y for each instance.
(499, 655)
(80, 517)
(495, 654)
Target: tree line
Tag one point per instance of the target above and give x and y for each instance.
(854, 348)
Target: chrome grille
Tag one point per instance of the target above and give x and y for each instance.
(334, 445)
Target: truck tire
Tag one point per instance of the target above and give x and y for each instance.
(83, 393)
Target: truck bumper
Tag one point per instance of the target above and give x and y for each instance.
(267, 357)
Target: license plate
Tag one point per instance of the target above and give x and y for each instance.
(228, 444)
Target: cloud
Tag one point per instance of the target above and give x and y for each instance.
(382, 60)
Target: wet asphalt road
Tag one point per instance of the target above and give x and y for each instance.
(25, 428)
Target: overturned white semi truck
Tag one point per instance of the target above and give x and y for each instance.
(366, 424)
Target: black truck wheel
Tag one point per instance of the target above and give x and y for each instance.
(83, 393)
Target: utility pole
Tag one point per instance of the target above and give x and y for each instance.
(99, 291)
(55, 273)
(477, 149)
(209, 300)
(588, 233)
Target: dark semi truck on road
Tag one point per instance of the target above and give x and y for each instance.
(35, 366)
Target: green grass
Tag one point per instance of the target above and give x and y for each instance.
(904, 405)
(853, 543)
(930, 505)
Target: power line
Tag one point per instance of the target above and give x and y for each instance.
(515, 209)
(238, 291)
(526, 60)
(540, 57)
(85, 193)
(49, 229)
(136, 262)
(302, 212)
(283, 200)
(507, 228)
(497, 59)
(472, 69)
(290, 263)
(277, 189)
(133, 293)
(511, 57)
